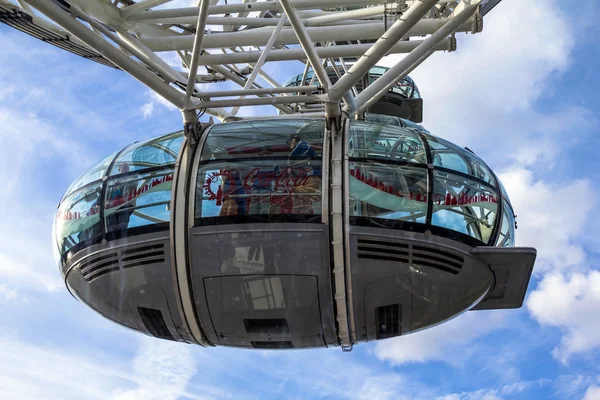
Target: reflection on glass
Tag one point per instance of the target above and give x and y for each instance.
(448, 155)
(149, 154)
(261, 168)
(266, 293)
(259, 187)
(271, 138)
(78, 218)
(374, 141)
(138, 200)
(507, 229)
(464, 205)
(96, 172)
(388, 191)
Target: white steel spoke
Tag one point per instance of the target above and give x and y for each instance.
(337, 41)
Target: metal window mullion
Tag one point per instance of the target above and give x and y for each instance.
(105, 179)
(337, 238)
(346, 215)
(179, 231)
(430, 180)
(499, 212)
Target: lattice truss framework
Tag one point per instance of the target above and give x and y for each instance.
(234, 41)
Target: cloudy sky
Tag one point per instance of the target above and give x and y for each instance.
(523, 95)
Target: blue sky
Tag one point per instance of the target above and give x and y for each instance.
(523, 95)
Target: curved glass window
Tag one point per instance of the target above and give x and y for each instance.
(149, 154)
(448, 155)
(394, 121)
(95, 173)
(263, 170)
(137, 196)
(406, 87)
(270, 138)
(507, 229)
(77, 220)
(380, 142)
(388, 191)
(464, 205)
(139, 199)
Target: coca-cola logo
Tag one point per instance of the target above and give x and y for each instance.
(220, 185)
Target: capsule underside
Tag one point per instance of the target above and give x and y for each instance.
(234, 243)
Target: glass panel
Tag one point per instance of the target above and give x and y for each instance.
(448, 155)
(138, 200)
(78, 218)
(259, 187)
(388, 191)
(507, 230)
(464, 205)
(374, 141)
(265, 139)
(93, 174)
(152, 153)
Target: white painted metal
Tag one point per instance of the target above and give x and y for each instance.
(191, 85)
(257, 37)
(380, 48)
(336, 205)
(260, 62)
(224, 38)
(391, 76)
(116, 56)
(352, 50)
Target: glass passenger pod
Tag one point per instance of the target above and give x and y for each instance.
(125, 194)
(403, 99)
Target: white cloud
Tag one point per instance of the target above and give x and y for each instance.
(593, 393)
(166, 368)
(446, 342)
(484, 94)
(571, 304)
(7, 293)
(551, 217)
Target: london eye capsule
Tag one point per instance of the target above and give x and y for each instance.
(266, 235)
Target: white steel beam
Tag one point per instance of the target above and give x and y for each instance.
(393, 74)
(260, 101)
(380, 48)
(191, 84)
(306, 43)
(141, 6)
(110, 52)
(159, 15)
(257, 37)
(385, 90)
(255, 92)
(260, 62)
(350, 50)
(235, 78)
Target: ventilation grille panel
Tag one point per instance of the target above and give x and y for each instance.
(98, 266)
(272, 344)
(416, 255)
(267, 326)
(143, 256)
(155, 323)
(106, 262)
(388, 321)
